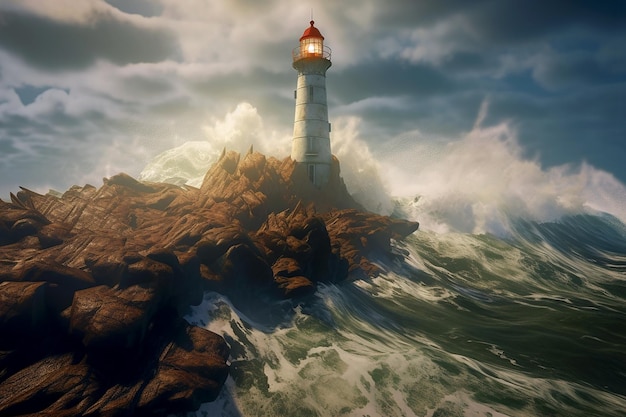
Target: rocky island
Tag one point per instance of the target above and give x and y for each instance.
(94, 284)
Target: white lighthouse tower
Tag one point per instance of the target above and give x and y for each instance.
(311, 130)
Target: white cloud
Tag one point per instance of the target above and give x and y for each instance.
(240, 129)
(69, 11)
(434, 44)
(235, 36)
(237, 130)
(372, 103)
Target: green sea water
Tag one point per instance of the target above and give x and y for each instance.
(530, 323)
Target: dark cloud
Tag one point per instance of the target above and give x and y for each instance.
(7, 147)
(402, 13)
(520, 20)
(504, 20)
(252, 82)
(19, 126)
(146, 86)
(388, 78)
(562, 70)
(555, 70)
(53, 45)
(147, 8)
(466, 61)
(28, 93)
(581, 125)
(174, 107)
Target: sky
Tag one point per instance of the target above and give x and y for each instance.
(91, 88)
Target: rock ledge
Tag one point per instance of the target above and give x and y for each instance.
(94, 284)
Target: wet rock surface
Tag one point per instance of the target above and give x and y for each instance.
(94, 284)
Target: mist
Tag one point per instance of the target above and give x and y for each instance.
(479, 182)
(476, 183)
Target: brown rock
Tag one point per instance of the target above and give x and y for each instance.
(52, 271)
(252, 166)
(110, 270)
(24, 227)
(244, 266)
(117, 320)
(107, 269)
(22, 307)
(191, 371)
(298, 249)
(52, 235)
(164, 198)
(286, 267)
(18, 220)
(298, 286)
(51, 386)
(151, 272)
(215, 242)
(126, 180)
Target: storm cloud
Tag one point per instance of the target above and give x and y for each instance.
(54, 46)
(93, 87)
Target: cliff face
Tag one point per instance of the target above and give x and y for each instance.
(93, 284)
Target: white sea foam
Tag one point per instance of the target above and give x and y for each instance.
(480, 181)
(185, 164)
(338, 373)
(238, 130)
(349, 355)
(243, 127)
(360, 169)
(461, 400)
(474, 184)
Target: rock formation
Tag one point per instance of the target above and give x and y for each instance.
(93, 284)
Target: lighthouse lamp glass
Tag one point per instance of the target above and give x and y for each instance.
(311, 47)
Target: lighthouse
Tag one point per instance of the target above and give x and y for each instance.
(310, 145)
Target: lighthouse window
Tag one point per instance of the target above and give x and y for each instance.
(312, 173)
(311, 47)
(311, 145)
(310, 93)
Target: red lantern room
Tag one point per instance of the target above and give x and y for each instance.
(311, 45)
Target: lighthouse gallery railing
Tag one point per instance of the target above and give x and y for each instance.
(299, 54)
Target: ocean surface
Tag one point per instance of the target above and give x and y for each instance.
(509, 301)
(531, 324)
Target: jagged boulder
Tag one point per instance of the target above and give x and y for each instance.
(23, 307)
(290, 279)
(182, 367)
(107, 319)
(191, 371)
(93, 284)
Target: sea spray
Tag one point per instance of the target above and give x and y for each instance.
(243, 128)
(477, 183)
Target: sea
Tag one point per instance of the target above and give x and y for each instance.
(514, 313)
(462, 325)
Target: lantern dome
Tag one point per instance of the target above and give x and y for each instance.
(311, 32)
(311, 45)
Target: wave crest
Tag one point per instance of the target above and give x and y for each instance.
(479, 183)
